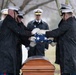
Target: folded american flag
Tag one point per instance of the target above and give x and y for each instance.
(42, 38)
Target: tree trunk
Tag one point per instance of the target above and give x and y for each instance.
(2, 7)
(58, 6)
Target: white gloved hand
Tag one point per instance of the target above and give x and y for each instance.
(53, 44)
(42, 32)
(46, 49)
(32, 44)
(32, 39)
(51, 39)
(34, 31)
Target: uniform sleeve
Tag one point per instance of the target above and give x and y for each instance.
(47, 26)
(29, 26)
(1, 23)
(46, 44)
(58, 32)
(16, 29)
(25, 41)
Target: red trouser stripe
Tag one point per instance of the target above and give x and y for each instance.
(4, 73)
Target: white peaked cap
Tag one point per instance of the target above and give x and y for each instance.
(38, 10)
(13, 8)
(66, 8)
(20, 14)
(4, 11)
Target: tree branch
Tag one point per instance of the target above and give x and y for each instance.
(25, 2)
(51, 8)
(34, 7)
(6, 4)
(12, 2)
(2, 4)
(72, 7)
(58, 6)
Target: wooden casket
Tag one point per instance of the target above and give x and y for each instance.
(37, 65)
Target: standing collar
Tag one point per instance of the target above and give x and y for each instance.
(38, 21)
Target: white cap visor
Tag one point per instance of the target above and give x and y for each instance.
(66, 10)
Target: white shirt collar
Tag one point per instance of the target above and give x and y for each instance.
(38, 21)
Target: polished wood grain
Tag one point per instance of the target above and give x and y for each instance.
(38, 66)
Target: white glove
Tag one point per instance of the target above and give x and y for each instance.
(53, 44)
(41, 32)
(32, 44)
(51, 39)
(34, 31)
(46, 49)
(32, 39)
